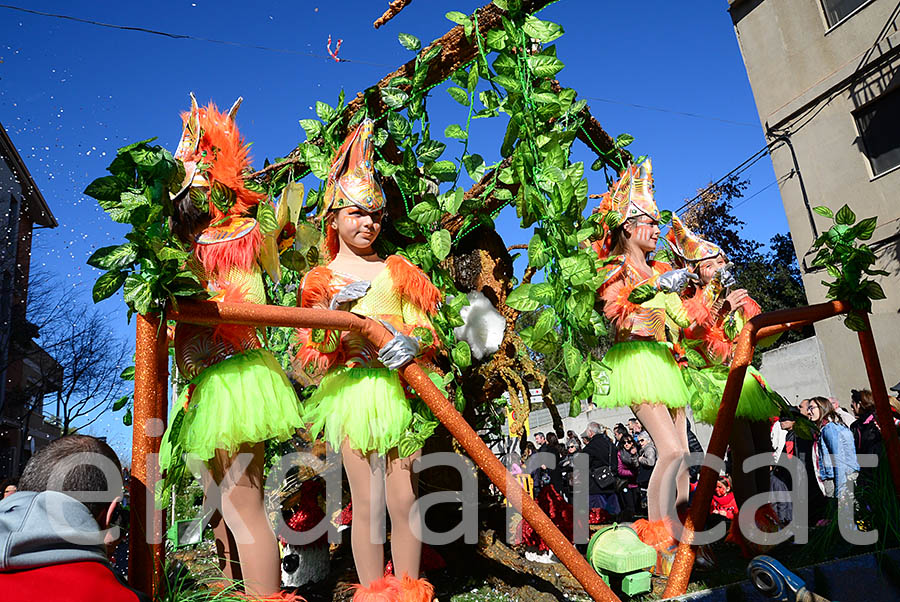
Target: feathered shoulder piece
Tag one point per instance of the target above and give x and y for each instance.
(232, 243)
(316, 288)
(413, 284)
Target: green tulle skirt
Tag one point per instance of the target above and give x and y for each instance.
(244, 399)
(643, 372)
(707, 386)
(366, 406)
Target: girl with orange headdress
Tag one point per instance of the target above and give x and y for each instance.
(360, 405)
(640, 298)
(716, 306)
(238, 396)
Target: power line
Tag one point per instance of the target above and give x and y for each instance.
(760, 191)
(664, 110)
(181, 36)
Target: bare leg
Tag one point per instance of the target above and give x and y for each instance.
(671, 445)
(401, 488)
(365, 485)
(244, 511)
(226, 548)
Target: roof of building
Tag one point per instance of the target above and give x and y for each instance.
(38, 210)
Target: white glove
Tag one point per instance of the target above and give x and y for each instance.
(725, 277)
(398, 351)
(350, 292)
(674, 281)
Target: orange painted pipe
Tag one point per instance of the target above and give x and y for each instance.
(207, 312)
(146, 546)
(762, 326)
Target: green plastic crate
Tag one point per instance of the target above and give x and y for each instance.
(618, 549)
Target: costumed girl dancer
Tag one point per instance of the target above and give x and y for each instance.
(713, 304)
(640, 298)
(360, 404)
(238, 396)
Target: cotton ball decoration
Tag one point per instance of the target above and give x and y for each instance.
(484, 326)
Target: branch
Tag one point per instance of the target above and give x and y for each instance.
(393, 10)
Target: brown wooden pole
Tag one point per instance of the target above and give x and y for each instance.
(882, 405)
(207, 312)
(146, 549)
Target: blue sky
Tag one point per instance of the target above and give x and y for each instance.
(71, 93)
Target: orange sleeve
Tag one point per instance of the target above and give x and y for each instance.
(319, 349)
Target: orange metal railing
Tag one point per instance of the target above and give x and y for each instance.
(146, 542)
(760, 327)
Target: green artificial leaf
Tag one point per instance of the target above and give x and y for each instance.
(440, 243)
(398, 126)
(538, 255)
(854, 322)
(407, 227)
(395, 98)
(623, 140)
(426, 212)
(865, 228)
(461, 355)
(475, 166)
(642, 293)
(138, 293)
(325, 112)
(695, 358)
(107, 284)
(386, 169)
(455, 131)
(127, 419)
(509, 82)
(114, 257)
(572, 359)
(430, 151)
(265, 215)
(457, 17)
(451, 200)
(429, 54)
(120, 403)
(496, 39)
(845, 216)
(542, 31)
(824, 211)
(459, 95)
(409, 41)
(542, 292)
(107, 188)
(312, 127)
(874, 291)
(665, 216)
(544, 66)
(380, 137)
(730, 327)
(574, 408)
(127, 373)
(521, 300)
(546, 322)
(444, 171)
(502, 4)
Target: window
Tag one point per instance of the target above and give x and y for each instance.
(836, 10)
(879, 127)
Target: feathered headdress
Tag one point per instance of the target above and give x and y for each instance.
(351, 179)
(631, 196)
(687, 245)
(216, 160)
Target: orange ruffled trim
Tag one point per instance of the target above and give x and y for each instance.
(718, 345)
(414, 284)
(315, 292)
(386, 589)
(617, 307)
(698, 311)
(219, 258)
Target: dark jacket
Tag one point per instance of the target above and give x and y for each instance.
(51, 549)
(601, 452)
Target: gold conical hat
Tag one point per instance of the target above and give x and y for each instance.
(351, 179)
(688, 245)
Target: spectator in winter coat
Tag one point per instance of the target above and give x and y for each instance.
(646, 458)
(723, 502)
(54, 547)
(833, 451)
(601, 452)
(627, 486)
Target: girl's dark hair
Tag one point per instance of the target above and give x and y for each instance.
(187, 219)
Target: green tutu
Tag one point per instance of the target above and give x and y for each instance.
(366, 406)
(244, 399)
(643, 372)
(708, 384)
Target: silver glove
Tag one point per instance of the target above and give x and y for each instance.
(350, 292)
(674, 281)
(725, 277)
(399, 350)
